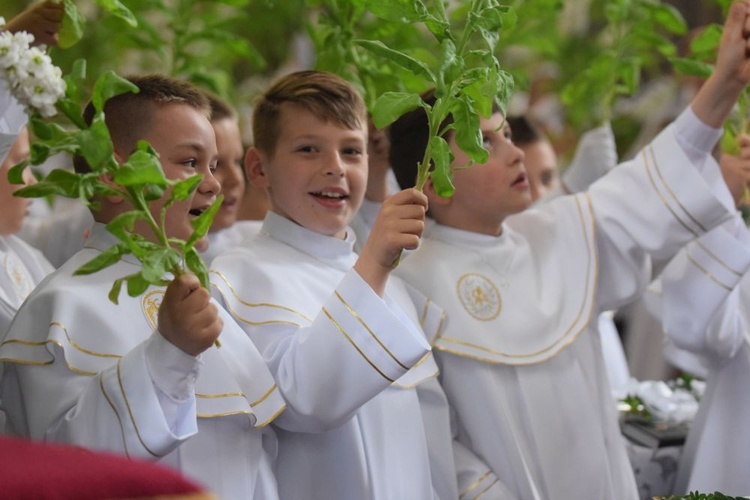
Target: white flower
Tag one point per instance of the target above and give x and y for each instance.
(32, 78)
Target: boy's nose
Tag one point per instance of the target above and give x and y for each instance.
(210, 185)
(334, 165)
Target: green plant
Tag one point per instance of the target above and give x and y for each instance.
(633, 37)
(468, 80)
(140, 180)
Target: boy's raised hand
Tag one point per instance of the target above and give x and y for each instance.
(187, 317)
(43, 20)
(715, 99)
(398, 227)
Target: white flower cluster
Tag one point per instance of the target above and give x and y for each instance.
(31, 77)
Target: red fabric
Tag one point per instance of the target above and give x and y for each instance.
(32, 470)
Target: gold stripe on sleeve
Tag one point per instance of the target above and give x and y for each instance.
(661, 196)
(473, 485)
(117, 414)
(355, 346)
(372, 334)
(717, 259)
(130, 412)
(708, 274)
(258, 304)
(487, 489)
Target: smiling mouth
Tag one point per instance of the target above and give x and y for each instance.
(197, 211)
(330, 195)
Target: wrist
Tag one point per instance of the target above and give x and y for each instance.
(373, 273)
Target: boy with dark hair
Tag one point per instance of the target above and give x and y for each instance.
(143, 378)
(519, 364)
(366, 417)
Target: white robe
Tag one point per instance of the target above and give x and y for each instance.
(705, 292)
(80, 369)
(366, 418)
(231, 237)
(520, 364)
(22, 269)
(12, 120)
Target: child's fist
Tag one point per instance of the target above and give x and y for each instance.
(187, 317)
(399, 226)
(42, 20)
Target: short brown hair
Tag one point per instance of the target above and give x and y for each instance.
(325, 95)
(220, 109)
(129, 115)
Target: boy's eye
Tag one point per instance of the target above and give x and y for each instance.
(192, 163)
(486, 142)
(508, 135)
(213, 167)
(306, 149)
(352, 151)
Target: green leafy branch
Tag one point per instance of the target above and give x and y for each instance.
(140, 180)
(634, 35)
(695, 495)
(468, 80)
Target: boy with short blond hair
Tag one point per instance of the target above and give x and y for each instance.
(365, 416)
(519, 363)
(143, 378)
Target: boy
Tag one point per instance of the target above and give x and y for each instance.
(703, 305)
(522, 371)
(223, 233)
(142, 378)
(341, 338)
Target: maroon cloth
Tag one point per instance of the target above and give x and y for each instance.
(33, 470)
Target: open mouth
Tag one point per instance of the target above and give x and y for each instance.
(521, 179)
(330, 195)
(196, 212)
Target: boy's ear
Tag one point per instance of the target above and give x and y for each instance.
(255, 167)
(433, 198)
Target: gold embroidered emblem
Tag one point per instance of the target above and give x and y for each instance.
(19, 276)
(479, 296)
(150, 304)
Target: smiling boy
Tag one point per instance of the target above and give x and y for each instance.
(142, 378)
(365, 416)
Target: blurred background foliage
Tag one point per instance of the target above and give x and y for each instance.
(575, 62)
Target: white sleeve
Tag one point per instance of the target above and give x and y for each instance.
(12, 119)
(116, 410)
(647, 209)
(596, 154)
(355, 347)
(701, 290)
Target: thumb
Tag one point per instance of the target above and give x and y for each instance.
(185, 284)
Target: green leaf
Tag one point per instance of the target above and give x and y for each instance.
(152, 192)
(691, 67)
(670, 18)
(72, 112)
(96, 144)
(195, 263)
(58, 182)
(15, 173)
(468, 135)
(706, 43)
(137, 284)
(158, 263)
(392, 105)
(442, 174)
(401, 11)
(105, 259)
(116, 8)
(122, 225)
(71, 29)
(183, 189)
(140, 169)
(109, 85)
(114, 292)
(399, 58)
(202, 223)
